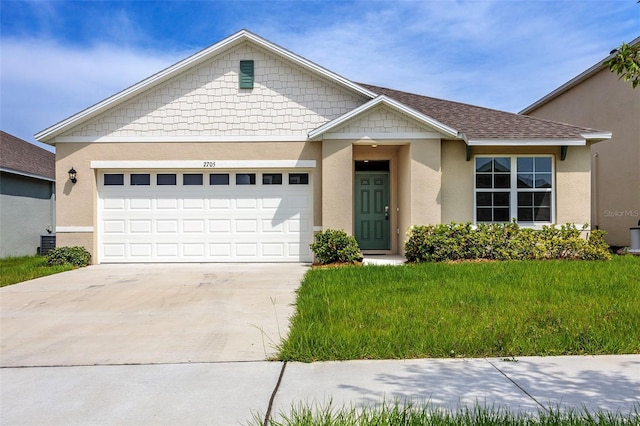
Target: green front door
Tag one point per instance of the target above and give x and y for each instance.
(372, 210)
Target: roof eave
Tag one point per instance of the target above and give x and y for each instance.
(527, 142)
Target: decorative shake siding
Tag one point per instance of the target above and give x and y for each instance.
(207, 100)
(381, 120)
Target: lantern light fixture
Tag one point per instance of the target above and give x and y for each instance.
(72, 175)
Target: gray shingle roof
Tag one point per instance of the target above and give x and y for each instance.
(20, 156)
(479, 123)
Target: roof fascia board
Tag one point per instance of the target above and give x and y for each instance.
(382, 136)
(184, 64)
(597, 136)
(573, 82)
(526, 142)
(179, 139)
(384, 100)
(26, 174)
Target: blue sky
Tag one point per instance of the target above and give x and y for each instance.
(59, 57)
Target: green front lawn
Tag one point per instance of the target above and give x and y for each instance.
(17, 269)
(494, 309)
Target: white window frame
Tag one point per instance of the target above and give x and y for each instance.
(513, 189)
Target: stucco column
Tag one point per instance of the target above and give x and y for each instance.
(337, 185)
(425, 182)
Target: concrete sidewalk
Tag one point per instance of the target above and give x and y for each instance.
(237, 392)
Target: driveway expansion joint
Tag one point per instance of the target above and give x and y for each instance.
(267, 416)
(519, 387)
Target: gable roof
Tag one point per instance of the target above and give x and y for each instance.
(192, 61)
(574, 81)
(479, 125)
(391, 103)
(20, 157)
(475, 125)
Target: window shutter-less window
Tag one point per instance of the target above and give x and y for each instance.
(246, 74)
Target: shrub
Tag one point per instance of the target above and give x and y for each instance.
(333, 246)
(76, 256)
(503, 241)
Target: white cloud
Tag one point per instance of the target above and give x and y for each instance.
(44, 81)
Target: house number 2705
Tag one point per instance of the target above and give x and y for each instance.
(209, 164)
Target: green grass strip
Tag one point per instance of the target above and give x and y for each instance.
(18, 269)
(490, 309)
(409, 414)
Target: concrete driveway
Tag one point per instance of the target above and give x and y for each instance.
(148, 314)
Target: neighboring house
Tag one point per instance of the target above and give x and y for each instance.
(27, 195)
(598, 98)
(243, 150)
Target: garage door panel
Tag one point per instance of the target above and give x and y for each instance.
(193, 204)
(140, 250)
(140, 203)
(140, 226)
(167, 226)
(220, 226)
(246, 226)
(175, 223)
(193, 226)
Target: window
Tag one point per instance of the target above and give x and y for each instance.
(246, 74)
(114, 179)
(219, 179)
(514, 187)
(298, 178)
(192, 179)
(140, 179)
(272, 178)
(245, 178)
(166, 179)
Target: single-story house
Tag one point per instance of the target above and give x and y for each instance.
(597, 97)
(240, 152)
(27, 196)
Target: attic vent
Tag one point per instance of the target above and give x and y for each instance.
(246, 74)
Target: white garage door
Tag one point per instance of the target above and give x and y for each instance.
(190, 216)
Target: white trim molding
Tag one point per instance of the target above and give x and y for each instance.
(597, 136)
(74, 229)
(179, 139)
(526, 142)
(382, 136)
(207, 164)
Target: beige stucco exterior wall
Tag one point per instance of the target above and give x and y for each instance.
(77, 203)
(457, 183)
(604, 102)
(573, 183)
(337, 184)
(425, 182)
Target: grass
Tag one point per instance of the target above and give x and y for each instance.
(408, 414)
(492, 309)
(18, 269)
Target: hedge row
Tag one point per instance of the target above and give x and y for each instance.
(503, 241)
